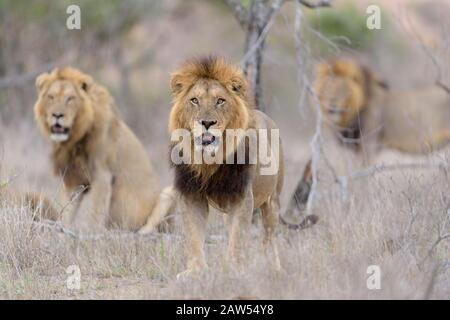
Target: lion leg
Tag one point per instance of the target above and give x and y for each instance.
(270, 214)
(165, 204)
(195, 219)
(239, 221)
(93, 209)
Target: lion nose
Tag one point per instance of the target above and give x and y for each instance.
(57, 115)
(208, 123)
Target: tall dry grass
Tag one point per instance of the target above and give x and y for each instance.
(389, 219)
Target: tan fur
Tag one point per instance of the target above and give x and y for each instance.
(40, 206)
(105, 168)
(207, 80)
(411, 121)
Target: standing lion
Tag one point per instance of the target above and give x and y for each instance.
(362, 114)
(210, 98)
(105, 168)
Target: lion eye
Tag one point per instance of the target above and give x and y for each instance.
(220, 101)
(71, 98)
(50, 97)
(194, 101)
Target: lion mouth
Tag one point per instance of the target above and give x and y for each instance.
(59, 133)
(206, 139)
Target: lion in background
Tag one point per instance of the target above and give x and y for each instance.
(363, 114)
(105, 168)
(359, 108)
(211, 96)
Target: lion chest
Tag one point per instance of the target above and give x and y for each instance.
(74, 168)
(226, 186)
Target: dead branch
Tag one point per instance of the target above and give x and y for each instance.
(257, 21)
(59, 228)
(23, 79)
(319, 4)
(439, 82)
(379, 168)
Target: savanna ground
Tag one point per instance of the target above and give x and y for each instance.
(394, 219)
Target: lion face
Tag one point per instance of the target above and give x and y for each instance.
(63, 110)
(210, 98)
(340, 91)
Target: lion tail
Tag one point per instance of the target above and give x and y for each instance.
(299, 201)
(307, 222)
(159, 219)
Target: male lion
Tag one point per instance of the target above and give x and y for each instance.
(362, 113)
(210, 98)
(104, 166)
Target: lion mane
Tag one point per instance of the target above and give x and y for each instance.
(224, 183)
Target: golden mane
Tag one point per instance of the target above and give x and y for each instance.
(357, 79)
(233, 80)
(210, 67)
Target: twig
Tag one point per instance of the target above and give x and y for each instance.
(58, 227)
(440, 237)
(439, 82)
(383, 168)
(319, 4)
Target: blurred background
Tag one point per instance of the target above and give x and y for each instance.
(132, 46)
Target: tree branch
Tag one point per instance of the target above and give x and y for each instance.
(239, 11)
(21, 80)
(319, 4)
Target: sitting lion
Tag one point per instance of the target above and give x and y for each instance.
(210, 100)
(105, 168)
(363, 114)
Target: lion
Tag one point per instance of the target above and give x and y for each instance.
(211, 100)
(359, 107)
(363, 114)
(104, 167)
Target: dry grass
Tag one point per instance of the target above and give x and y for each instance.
(390, 220)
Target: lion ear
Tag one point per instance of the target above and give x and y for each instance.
(176, 84)
(349, 69)
(238, 85)
(42, 80)
(85, 83)
(322, 70)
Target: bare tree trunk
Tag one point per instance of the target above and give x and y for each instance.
(254, 44)
(256, 22)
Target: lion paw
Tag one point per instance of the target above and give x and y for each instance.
(190, 273)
